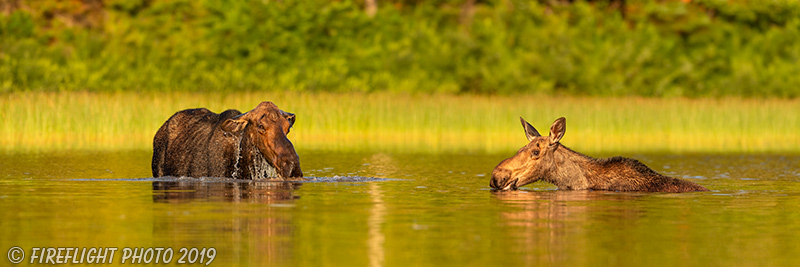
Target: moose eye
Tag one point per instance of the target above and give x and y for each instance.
(535, 153)
(261, 127)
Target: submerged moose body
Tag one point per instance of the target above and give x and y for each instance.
(544, 158)
(252, 145)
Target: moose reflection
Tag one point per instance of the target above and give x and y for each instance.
(544, 226)
(256, 224)
(253, 191)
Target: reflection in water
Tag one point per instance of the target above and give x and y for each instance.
(544, 223)
(90, 199)
(376, 237)
(253, 234)
(380, 164)
(251, 191)
(383, 165)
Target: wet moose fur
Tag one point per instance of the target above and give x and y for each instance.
(544, 158)
(201, 143)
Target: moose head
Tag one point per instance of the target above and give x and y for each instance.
(267, 126)
(533, 162)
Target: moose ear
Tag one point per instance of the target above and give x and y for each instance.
(289, 117)
(530, 132)
(557, 130)
(233, 125)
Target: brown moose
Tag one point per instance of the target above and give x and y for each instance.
(201, 143)
(544, 158)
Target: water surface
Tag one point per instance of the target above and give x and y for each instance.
(432, 210)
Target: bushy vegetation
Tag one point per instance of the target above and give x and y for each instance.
(604, 48)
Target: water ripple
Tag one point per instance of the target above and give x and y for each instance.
(332, 179)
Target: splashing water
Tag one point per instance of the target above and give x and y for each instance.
(238, 156)
(261, 169)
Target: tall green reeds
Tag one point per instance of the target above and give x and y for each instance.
(424, 123)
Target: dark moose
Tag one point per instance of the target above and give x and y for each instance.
(252, 145)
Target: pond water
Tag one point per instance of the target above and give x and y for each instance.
(405, 209)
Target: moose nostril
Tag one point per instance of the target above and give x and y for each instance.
(293, 170)
(495, 183)
(288, 167)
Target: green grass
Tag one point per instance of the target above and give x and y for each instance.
(422, 123)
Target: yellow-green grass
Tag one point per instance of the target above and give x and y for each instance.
(37, 121)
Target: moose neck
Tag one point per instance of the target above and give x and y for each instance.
(569, 169)
(577, 171)
(252, 164)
